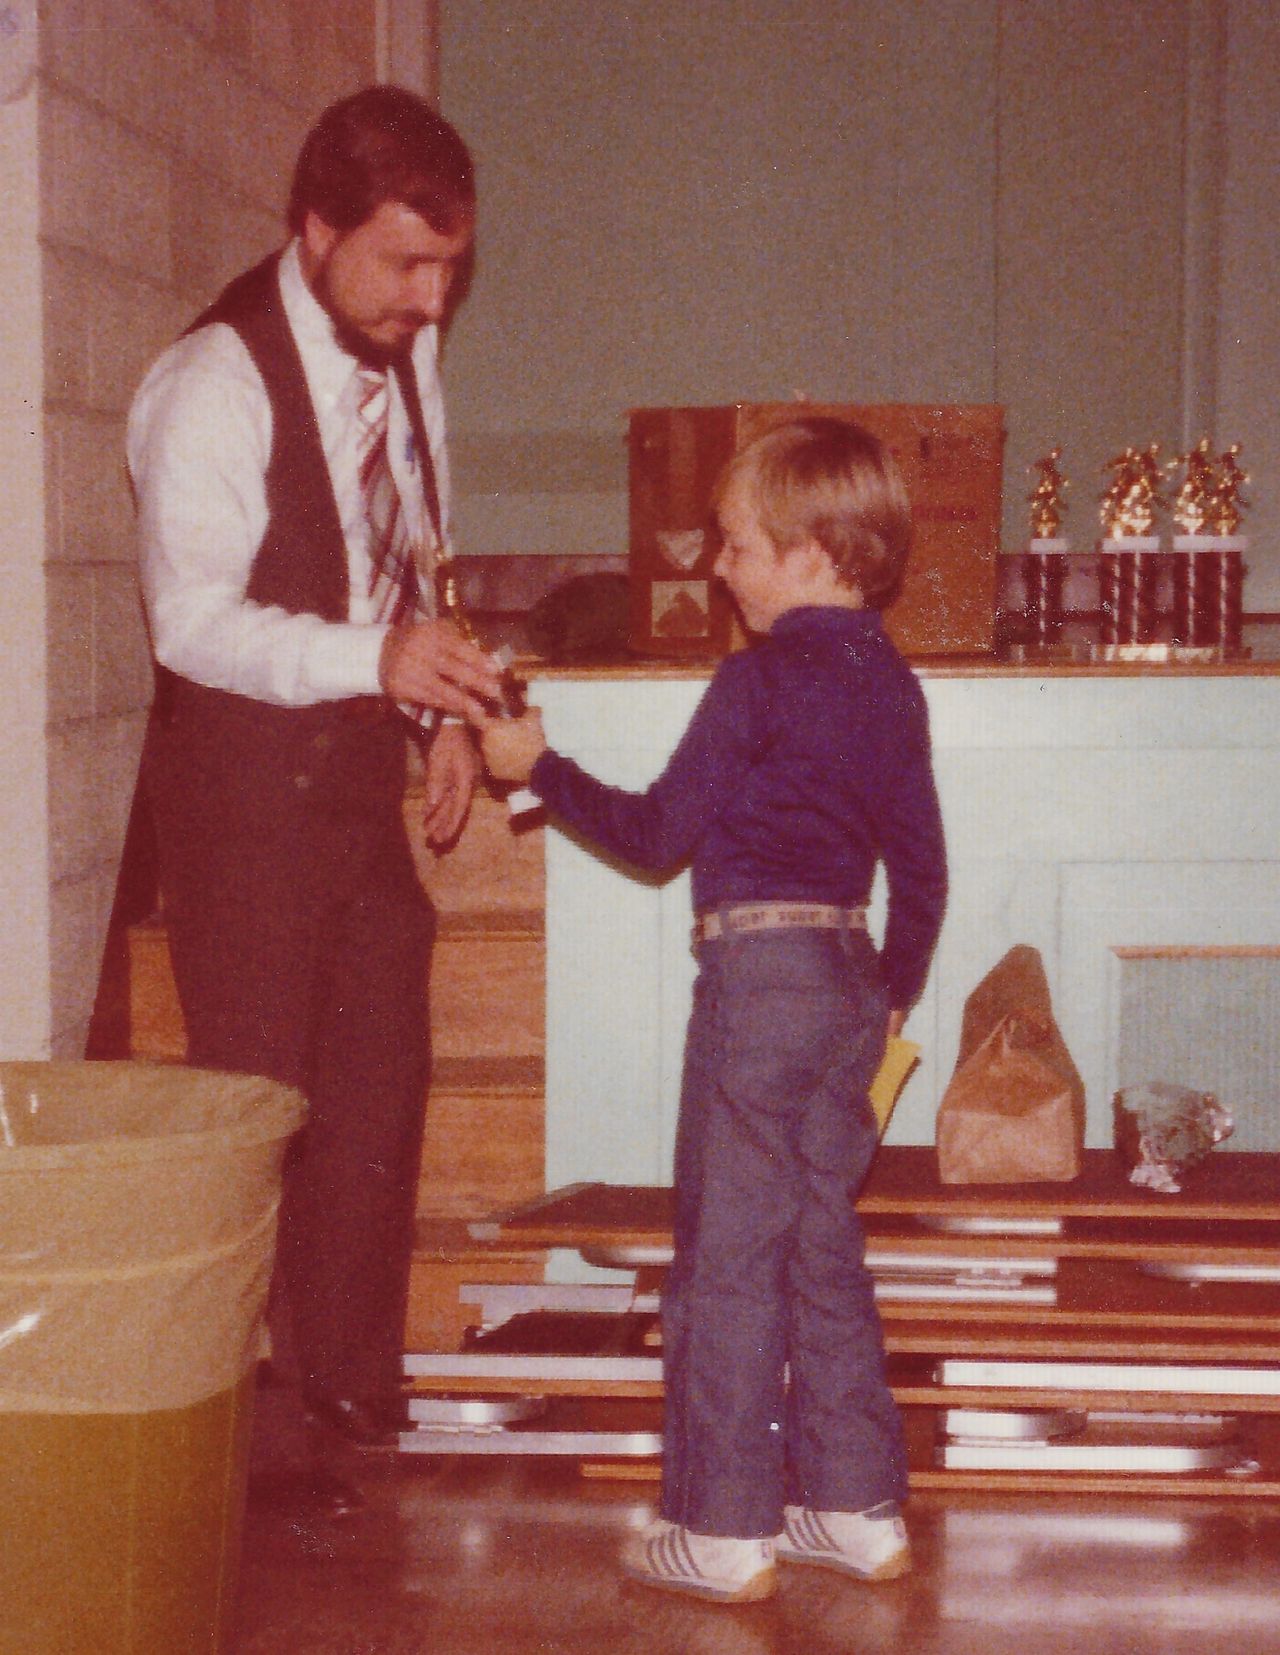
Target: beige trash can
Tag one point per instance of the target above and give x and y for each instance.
(137, 1231)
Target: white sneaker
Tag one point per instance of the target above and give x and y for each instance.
(872, 1544)
(706, 1565)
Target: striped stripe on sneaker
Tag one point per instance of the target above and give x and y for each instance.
(713, 1566)
(870, 1545)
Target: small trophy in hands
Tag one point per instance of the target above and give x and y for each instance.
(450, 607)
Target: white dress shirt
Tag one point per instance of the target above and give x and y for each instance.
(199, 440)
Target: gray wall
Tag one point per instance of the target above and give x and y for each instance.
(1065, 208)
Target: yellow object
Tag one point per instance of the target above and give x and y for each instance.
(900, 1058)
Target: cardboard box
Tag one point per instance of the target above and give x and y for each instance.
(951, 461)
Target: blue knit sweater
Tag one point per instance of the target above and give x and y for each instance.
(806, 763)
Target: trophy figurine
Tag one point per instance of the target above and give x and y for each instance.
(1228, 508)
(1128, 568)
(1047, 505)
(1192, 503)
(1130, 504)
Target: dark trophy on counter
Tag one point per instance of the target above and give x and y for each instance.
(1044, 562)
(1129, 553)
(1208, 551)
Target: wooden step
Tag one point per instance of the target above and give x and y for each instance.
(484, 1146)
(488, 989)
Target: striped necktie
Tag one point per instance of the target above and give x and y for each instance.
(393, 569)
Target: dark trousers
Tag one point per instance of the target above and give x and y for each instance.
(301, 939)
(768, 1281)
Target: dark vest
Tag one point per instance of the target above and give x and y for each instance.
(301, 564)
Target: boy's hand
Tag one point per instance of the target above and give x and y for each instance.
(512, 746)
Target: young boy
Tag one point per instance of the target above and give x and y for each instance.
(805, 764)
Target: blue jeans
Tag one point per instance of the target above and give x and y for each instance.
(772, 1350)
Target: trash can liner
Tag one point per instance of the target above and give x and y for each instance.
(137, 1231)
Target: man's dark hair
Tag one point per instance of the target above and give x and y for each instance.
(382, 144)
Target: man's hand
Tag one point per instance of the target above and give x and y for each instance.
(512, 746)
(431, 664)
(452, 770)
(897, 1019)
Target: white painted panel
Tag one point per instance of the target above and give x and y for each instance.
(1196, 904)
(1081, 815)
(604, 988)
(640, 718)
(618, 963)
(1117, 806)
(1109, 713)
(1210, 1022)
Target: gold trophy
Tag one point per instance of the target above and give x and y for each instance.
(1047, 505)
(1228, 508)
(1130, 503)
(1194, 499)
(1043, 565)
(450, 607)
(1129, 564)
(1209, 551)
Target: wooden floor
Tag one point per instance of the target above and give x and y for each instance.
(473, 1557)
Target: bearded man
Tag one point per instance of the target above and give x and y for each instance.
(288, 459)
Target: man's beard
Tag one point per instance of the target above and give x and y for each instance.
(370, 353)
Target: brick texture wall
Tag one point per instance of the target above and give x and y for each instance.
(166, 135)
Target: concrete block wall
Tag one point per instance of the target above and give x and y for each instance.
(167, 131)
(24, 882)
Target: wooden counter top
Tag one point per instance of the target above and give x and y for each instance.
(656, 668)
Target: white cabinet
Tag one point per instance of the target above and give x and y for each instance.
(1086, 813)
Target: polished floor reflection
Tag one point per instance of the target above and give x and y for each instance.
(473, 1557)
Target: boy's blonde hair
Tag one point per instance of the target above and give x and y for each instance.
(827, 479)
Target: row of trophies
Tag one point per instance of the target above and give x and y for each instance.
(1180, 601)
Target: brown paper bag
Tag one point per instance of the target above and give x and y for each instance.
(1013, 1111)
